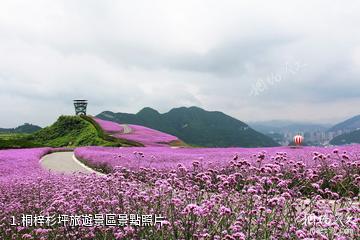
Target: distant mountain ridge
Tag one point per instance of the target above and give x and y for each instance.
(196, 126)
(25, 128)
(279, 126)
(350, 124)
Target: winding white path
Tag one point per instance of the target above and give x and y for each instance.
(126, 128)
(65, 162)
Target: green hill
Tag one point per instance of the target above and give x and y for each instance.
(25, 128)
(347, 138)
(196, 126)
(67, 131)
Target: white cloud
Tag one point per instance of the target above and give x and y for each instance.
(125, 55)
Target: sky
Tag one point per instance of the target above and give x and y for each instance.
(254, 60)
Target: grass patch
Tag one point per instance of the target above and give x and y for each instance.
(12, 136)
(67, 131)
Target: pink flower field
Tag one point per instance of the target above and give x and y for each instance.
(170, 158)
(236, 193)
(19, 163)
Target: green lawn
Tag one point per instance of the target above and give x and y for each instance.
(12, 136)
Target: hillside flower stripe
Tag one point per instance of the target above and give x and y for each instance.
(147, 136)
(108, 126)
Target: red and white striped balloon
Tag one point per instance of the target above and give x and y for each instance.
(298, 139)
